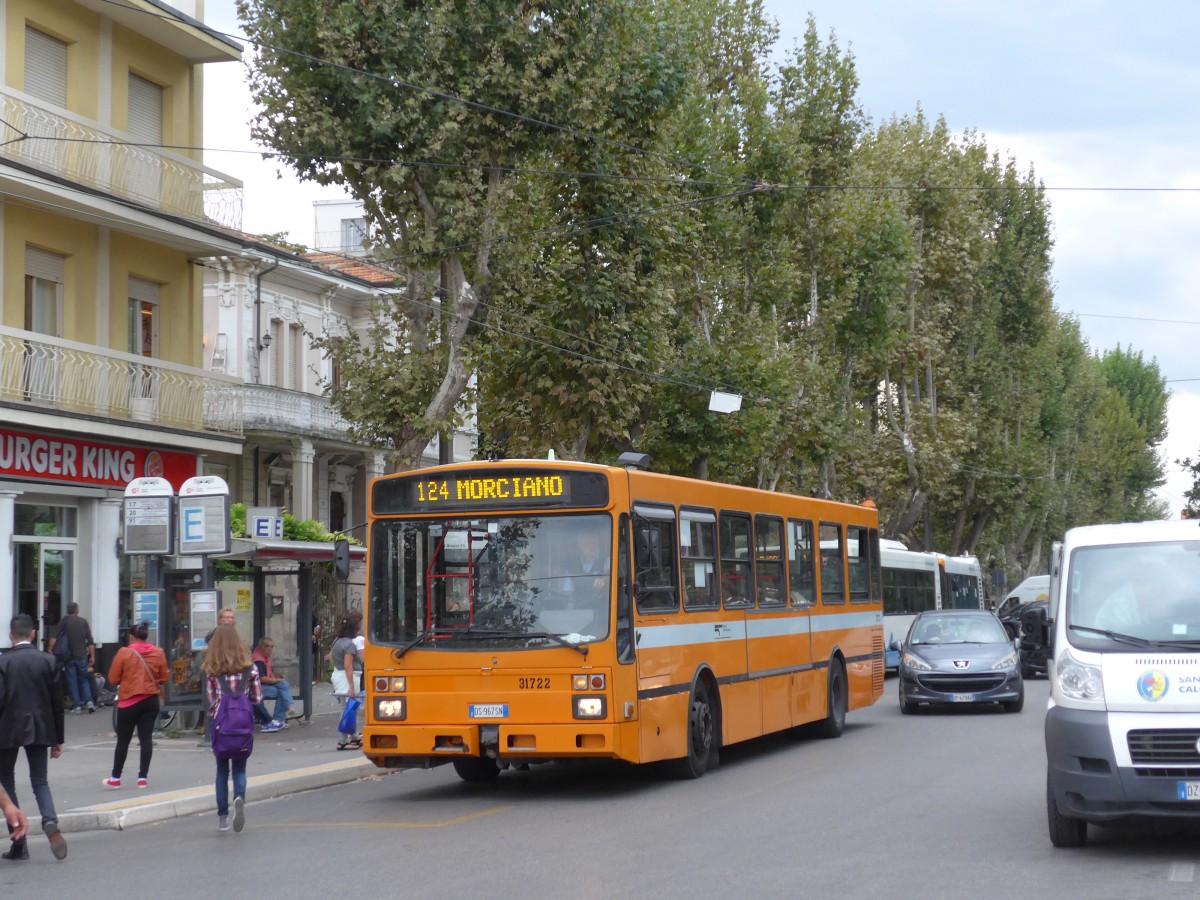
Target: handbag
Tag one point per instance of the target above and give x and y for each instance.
(349, 721)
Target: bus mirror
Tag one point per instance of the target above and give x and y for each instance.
(341, 559)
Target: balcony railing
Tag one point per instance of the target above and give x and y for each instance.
(158, 179)
(46, 372)
(292, 412)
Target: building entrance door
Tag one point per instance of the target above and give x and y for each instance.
(45, 584)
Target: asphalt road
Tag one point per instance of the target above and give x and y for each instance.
(935, 805)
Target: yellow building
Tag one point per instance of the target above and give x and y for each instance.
(107, 216)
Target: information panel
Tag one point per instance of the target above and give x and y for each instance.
(204, 516)
(149, 515)
(492, 488)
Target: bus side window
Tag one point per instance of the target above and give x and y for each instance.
(768, 560)
(655, 583)
(833, 582)
(737, 586)
(859, 554)
(698, 551)
(801, 575)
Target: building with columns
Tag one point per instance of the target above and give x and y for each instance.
(102, 370)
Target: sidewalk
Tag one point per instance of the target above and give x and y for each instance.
(302, 757)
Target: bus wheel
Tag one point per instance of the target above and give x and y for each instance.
(477, 768)
(1064, 831)
(701, 736)
(834, 722)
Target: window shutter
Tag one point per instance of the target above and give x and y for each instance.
(44, 265)
(145, 291)
(145, 111)
(45, 67)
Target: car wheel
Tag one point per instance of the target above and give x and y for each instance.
(907, 707)
(1064, 831)
(1015, 706)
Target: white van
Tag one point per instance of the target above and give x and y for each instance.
(1035, 587)
(1123, 725)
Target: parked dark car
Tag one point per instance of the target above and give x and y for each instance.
(959, 656)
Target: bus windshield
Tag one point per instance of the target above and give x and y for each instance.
(476, 583)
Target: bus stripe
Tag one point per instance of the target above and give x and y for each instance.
(670, 689)
(656, 636)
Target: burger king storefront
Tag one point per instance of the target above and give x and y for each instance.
(60, 527)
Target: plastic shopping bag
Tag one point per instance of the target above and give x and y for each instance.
(349, 721)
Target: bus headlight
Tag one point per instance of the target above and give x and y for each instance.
(590, 707)
(1077, 680)
(390, 708)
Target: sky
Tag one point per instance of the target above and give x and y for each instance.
(1097, 98)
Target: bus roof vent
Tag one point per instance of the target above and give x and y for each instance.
(634, 460)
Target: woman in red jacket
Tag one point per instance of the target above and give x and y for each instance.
(139, 670)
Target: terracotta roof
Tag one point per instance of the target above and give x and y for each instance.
(356, 268)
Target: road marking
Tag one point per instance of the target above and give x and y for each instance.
(449, 823)
(1182, 872)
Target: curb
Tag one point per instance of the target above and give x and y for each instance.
(159, 807)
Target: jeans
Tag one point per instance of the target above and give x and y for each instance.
(282, 694)
(239, 782)
(79, 682)
(38, 756)
(142, 716)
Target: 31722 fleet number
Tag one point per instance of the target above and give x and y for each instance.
(533, 684)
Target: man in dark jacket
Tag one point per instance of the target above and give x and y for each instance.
(31, 716)
(78, 633)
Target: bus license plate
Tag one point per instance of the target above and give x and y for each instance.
(489, 710)
(962, 698)
(1189, 790)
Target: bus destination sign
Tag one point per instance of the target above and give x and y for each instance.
(476, 490)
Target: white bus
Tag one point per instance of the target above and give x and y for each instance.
(915, 581)
(910, 585)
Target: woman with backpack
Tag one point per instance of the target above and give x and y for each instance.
(232, 683)
(139, 670)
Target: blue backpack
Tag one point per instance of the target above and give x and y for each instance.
(62, 649)
(233, 725)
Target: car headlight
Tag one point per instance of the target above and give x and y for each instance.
(1078, 680)
(916, 663)
(390, 708)
(1008, 662)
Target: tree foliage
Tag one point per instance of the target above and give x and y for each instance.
(603, 212)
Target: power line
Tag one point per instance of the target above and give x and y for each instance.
(1140, 319)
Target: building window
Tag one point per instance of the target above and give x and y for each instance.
(45, 67)
(145, 127)
(354, 235)
(296, 352)
(44, 276)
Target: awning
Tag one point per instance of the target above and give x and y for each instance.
(300, 551)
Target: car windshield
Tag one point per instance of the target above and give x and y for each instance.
(1140, 592)
(528, 581)
(948, 628)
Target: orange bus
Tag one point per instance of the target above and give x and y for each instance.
(530, 611)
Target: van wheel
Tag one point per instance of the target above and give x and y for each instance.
(701, 737)
(834, 722)
(1064, 831)
(477, 768)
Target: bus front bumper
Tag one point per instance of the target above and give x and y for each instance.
(422, 746)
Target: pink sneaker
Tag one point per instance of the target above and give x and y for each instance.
(142, 783)
(112, 782)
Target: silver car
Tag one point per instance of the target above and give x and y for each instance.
(959, 656)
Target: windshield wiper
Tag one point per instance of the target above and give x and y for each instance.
(420, 639)
(545, 635)
(1116, 636)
